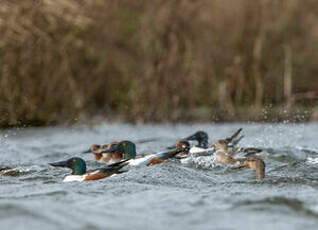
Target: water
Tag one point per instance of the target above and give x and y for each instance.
(170, 195)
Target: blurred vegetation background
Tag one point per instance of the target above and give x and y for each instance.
(159, 60)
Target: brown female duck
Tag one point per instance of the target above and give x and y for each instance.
(223, 156)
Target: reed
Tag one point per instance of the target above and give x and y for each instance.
(160, 60)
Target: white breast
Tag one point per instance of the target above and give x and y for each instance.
(143, 161)
(140, 161)
(70, 178)
(218, 156)
(195, 150)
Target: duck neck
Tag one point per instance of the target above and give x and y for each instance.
(130, 152)
(79, 169)
(203, 143)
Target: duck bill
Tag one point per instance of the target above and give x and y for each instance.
(171, 147)
(59, 164)
(191, 138)
(87, 151)
(112, 149)
(172, 153)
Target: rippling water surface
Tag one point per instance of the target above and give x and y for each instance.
(170, 195)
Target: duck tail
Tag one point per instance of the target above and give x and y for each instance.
(170, 154)
(116, 168)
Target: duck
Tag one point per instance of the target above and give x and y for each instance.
(255, 163)
(127, 150)
(8, 171)
(201, 137)
(79, 172)
(4, 169)
(222, 155)
(203, 144)
(104, 157)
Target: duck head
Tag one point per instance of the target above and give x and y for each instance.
(95, 150)
(77, 165)
(101, 156)
(220, 145)
(201, 137)
(126, 148)
(184, 147)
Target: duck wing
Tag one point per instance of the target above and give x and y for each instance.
(110, 169)
(251, 151)
(231, 138)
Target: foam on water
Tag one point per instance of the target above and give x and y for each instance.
(194, 194)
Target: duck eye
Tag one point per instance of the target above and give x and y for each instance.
(74, 160)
